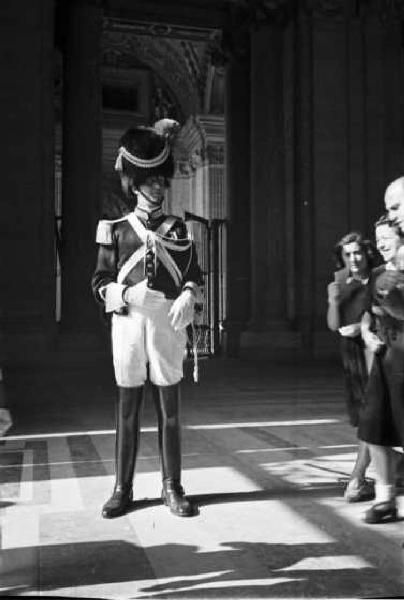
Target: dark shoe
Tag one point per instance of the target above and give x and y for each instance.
(173, 496)
(359, 492)
(118, 504)
(382, 512)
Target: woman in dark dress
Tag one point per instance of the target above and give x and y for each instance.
(382, 418)
(347, 301)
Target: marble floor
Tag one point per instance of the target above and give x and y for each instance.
(266, 453)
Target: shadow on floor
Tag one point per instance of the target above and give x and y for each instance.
(238, 569)
(318, 491)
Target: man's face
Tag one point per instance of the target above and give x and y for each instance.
(394, 202)
(387, 242)
(156, 186)
(153, 191)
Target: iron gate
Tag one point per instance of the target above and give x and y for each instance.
(210, 242)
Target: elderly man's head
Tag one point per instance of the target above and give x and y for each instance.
(394, 202)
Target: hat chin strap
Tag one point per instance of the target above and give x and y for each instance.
(148, 203)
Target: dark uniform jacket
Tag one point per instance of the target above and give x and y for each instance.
(123, 242)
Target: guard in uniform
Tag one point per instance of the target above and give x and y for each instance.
(147, 276)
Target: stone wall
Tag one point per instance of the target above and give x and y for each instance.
(326, 138)
(27, 225)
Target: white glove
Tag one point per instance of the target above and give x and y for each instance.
(143, 297)
(5, 420)
(350, 330)
(182, 311)
(371, 340)
(112, 294)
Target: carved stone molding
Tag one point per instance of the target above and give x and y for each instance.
(166, 30)
(385, 10)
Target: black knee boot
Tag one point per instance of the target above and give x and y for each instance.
(126, 445)
(169, 437)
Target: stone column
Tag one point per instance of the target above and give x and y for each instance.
(304, 208)
(356, 126)
(268, 303)
(237, 116)
(81, 162)
(26, 158)
(393, 88)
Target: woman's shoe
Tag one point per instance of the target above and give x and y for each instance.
(382, 512)
(359, 492)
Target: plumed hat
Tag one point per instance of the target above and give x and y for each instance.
(146, 151)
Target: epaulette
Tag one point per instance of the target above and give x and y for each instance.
(104, 230)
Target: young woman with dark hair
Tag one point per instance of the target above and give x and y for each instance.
(347, 300)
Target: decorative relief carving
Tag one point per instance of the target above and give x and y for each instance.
(182, 169)
(182, 57)
(196, 63)
(197, 159)
(215, 52)
(121, 49)
(163, 106)
(177, 32)
(215, 154)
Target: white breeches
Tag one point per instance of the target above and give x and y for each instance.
(146, 337)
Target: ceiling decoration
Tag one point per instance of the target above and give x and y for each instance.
(180, 57)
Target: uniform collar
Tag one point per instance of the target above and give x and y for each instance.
(149, 215)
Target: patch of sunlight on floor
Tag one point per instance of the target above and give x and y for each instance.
(231, 583)
(329, 563)
(247, 424)
(214, 480)
(303, 472)
(336, 458)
